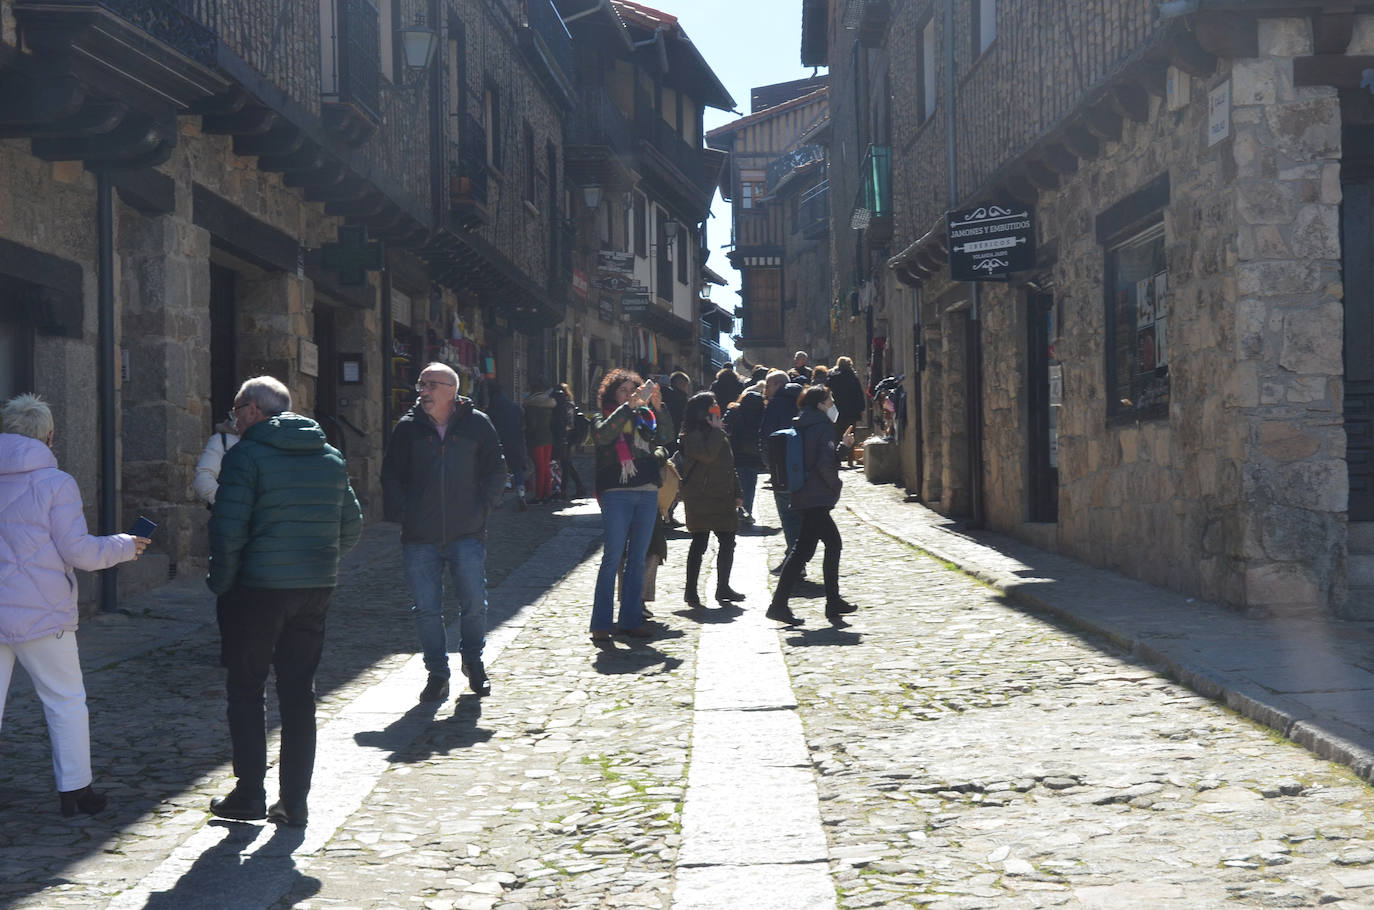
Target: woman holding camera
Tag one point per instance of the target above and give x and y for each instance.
(710, 494)
(629, 456)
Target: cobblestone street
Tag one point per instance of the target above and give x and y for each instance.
(947, 748)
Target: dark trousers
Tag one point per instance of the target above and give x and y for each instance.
(565, 458)
(725, 559)
(283, 630)
(816, 526)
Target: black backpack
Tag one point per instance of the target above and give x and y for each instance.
(581, 426)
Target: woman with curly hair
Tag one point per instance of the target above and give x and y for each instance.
(710, 493)
(629, 456)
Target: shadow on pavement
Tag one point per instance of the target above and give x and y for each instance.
(398, 734)
(826, 635)
(711, 615)
(448, 734)
(224, 870)
(636, 659)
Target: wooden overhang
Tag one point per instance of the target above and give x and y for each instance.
(469, 262)
(1083, 134)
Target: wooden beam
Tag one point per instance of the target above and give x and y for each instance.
(1103, 122)
(1081, 142)
(1227, 34)
(1041, 176)
(1338, 70)
(1191, 57)
(1021, 189)
(329, 175)
(95, 117)
(1059, 159)
(305, 158)
(1130, 100)
(1332, 28)
(249, 121)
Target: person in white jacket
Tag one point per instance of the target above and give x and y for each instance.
(42, 539)
(206, 481)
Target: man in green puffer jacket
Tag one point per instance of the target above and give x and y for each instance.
(284, 513)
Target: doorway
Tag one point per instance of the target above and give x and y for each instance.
(1043, 395)
(223, 348)
(1357, 223)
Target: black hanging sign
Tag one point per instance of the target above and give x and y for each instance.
(989, 242)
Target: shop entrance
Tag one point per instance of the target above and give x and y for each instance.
(1042, 393)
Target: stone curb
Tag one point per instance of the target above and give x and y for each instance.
(1326, 737)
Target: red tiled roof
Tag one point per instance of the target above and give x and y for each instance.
(645, 16)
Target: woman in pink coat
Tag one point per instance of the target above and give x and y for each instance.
(42, 538)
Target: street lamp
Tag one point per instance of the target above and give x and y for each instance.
(591, 196)
(670, 230)
(418, 44)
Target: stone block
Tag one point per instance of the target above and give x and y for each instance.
(1320, 483)
(1259, 80)
(1300, 535)
(1284, 442)
(1314, 391)
(1270, 278)
(1311, 340)
(1282, 587)
(1306, 130)
(1331, 184)
(1316, 232)
(1285, 37)
(1362, 41)
(1242, 386)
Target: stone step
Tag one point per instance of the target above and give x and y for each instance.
(1361, 537)
(1360, 603)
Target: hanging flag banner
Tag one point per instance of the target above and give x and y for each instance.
(990, 242)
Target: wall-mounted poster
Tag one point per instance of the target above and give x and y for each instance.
(1151, 321)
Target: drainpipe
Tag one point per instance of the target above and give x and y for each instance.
(105, 379)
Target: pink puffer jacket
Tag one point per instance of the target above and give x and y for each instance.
(42, 537)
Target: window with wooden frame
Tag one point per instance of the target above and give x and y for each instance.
(925, 72)
(681, 253)
(641, 206)
(663, 267)
(16, 343)
(984, 25)
(1138, 305)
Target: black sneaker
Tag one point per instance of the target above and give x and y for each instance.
(240, 805)
(279, 813)
(478, 681)
(436, 689)
(839, 607)
(783, 614)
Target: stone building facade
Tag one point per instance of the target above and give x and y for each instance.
(194, 193)
(1174, 389)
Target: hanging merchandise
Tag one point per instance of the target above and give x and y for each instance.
(653, 349)
(488, 364)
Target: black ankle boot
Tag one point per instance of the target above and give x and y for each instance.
(728, 594)
(84, 800)
(689, 594)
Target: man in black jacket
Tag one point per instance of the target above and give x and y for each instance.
(442, 475)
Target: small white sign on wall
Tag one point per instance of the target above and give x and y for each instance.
(1056, 385)
(1219, 113)
(309, 358)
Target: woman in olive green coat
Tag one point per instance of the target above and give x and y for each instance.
(710, 492)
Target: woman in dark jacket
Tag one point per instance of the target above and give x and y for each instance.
(629, 456)
(848, 393)
(710, 494)
(742, 421)
(817, 496)
(727, 387)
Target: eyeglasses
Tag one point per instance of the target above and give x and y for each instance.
(426, 384)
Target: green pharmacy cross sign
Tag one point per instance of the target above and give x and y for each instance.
(352, 255)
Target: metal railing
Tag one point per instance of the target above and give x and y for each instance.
(783, 165)
(359, 48)
(600, 122)
(540, 17)
(188, 26)
(813, 210)
(653, 129)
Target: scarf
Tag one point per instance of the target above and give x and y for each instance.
(641, 432)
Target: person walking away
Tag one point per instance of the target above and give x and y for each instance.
(206, 479)
(564, 420)
(727, 388)
(814, 501)
(848, 393)
(675, 400)
(442, 475)
(710, 494)
(780, 396)
(742, 421)
(629, 457)
(539, 408)
(284, 515)
(43, 539)
(819, 374)
(509, 420)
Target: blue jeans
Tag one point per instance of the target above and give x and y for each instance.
(748, 483)
(627, 521)
(790, 521)
(466, 559)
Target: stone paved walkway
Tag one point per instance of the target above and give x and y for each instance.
(1023, 740)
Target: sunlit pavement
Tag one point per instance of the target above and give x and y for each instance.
(951, 746)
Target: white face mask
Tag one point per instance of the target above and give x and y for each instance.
(833, 413)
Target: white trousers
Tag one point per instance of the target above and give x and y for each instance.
(55, 668)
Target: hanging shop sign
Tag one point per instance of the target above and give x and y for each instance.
(615, 270)
(990, 242)
(635, 300)
(581, 286)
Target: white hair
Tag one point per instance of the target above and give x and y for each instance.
(268, 393)
(436, 367)
(27, 415)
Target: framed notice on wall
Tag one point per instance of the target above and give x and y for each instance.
(350, 369)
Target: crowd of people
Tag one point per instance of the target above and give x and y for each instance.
(283, 513)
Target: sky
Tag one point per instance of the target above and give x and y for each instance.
(746, 43)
